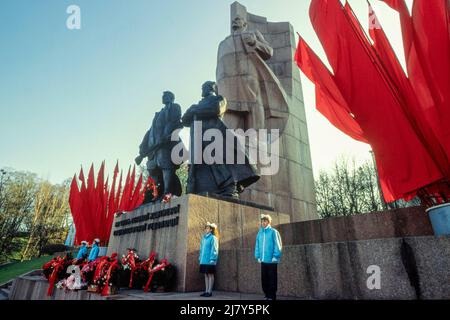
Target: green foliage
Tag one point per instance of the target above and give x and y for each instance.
(13, 270)
(33, 213)
(183, 173)
(350, 189)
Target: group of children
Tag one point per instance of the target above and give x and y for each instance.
(268, 249)
(83, 252)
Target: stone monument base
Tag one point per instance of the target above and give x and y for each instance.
(323, 259)
(411, 268)
(174, 231)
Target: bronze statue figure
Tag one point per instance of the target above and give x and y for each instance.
(221, 178)
(157, 148)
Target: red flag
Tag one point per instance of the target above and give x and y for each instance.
(125, 193)
(93, 207)
(112, 193)
(136, 194)
(430, 67)
(104, 219)
(118, 195)
(426, 45)
(112, 202)
(91, 201)
(91, 178)
(403, 162)
(74, 202)
(126, 197)
(419, 117)
(82, 228)
(329, 100)
(99, 208)
(405, 21)
(130, 190)
(81, 177)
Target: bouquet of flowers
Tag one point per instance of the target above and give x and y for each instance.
(129, 260)
(99, 278)
(157, 274)
(104, 275)
(88, 270)
(164, 276)
(131, 265)
(111, 281)
(55, 270)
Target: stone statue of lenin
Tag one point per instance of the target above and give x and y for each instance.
(255, 97)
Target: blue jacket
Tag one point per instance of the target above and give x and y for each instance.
(268, 245)
(82, 253)
(94, 252)
(209, 250)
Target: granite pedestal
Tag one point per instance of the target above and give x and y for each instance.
(174, 231)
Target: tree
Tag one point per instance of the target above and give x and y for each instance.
(50, 218)
(17, 191)
(182, 174)
(33, 213)
(350, 189)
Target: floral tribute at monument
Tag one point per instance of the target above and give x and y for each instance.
(106, 275)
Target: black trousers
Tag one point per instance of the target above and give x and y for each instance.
(269, 279)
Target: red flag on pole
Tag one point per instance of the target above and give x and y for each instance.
(373, 104)
(93, 207)
(399, 83)
(329, 100)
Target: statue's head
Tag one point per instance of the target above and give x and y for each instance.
(209, 88)
(168, 97)
(239, 24)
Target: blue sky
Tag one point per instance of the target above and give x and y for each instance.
(72, 97)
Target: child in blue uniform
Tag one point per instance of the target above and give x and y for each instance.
(83, 252)
(209, 253)
(94, 251)
(268, 253)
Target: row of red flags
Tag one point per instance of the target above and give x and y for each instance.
(404, 117)
(94, 203)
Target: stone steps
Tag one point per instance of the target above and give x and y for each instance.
(4, 293)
